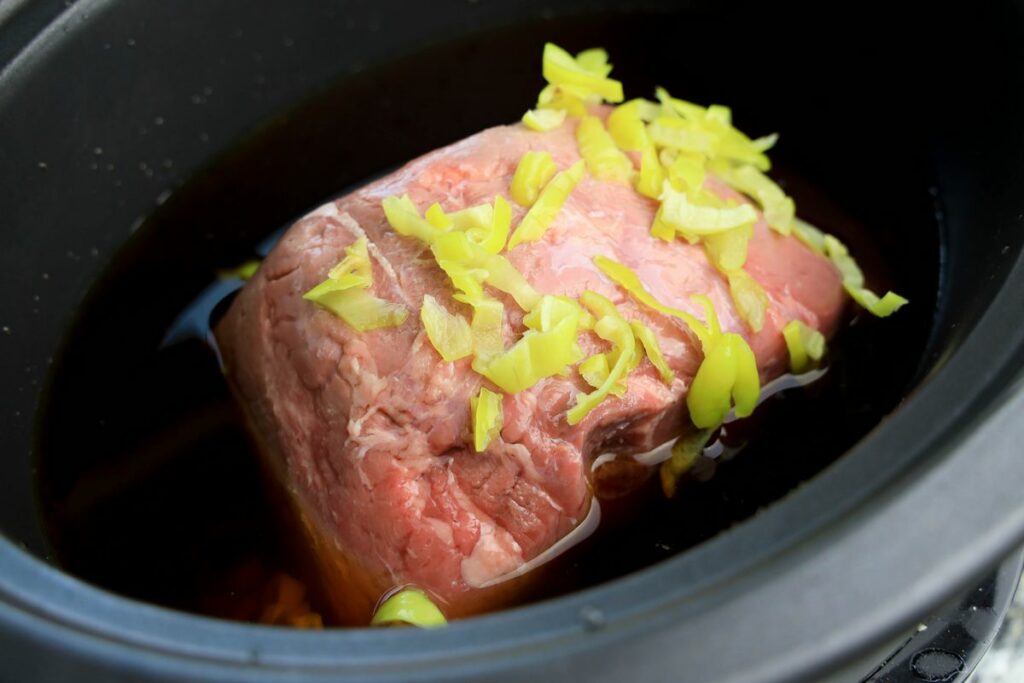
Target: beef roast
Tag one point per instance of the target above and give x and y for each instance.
(369, 432)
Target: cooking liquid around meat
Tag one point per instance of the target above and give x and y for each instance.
(178, 512)
(150, 487)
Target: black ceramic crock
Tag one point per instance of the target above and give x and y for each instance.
(911, 120)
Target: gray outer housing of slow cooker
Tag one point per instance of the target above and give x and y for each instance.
(797, 593)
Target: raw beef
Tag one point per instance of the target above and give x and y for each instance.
(369, 432)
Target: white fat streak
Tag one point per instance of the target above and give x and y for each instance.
(364, 478)
(656, 455)
(328, 210)
(351, 224)
(355, 427)
(495, 552)
(491, 559)
(441, 530)
(582, 531)
(522, 455)
(602, 459)
(789, 381)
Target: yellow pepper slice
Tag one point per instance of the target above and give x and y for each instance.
(562, 98)
(477, 217)
(765, 142)
(661, 229)
(809, 235)
(805, 345)
(779, 210)
(486, 414)
(710, 317)
(243, 271)
(544, 120)
(466, 279)
(881, 307)
(344, 293)
(543, 212)
(595, 60)
(651, 178)
(749, 297)
(688, 126)
(493, 240)
(605, 160)
(549, 346)
(747, 387)
(485, 225)
(595, 370)
(735, 146)
(500, 273)
(727, 250)
(534, 171)
(687, 170)
(550, 311)
(535, 356)
(728, 374)
(628, 280)
(408, 606)
(653, 350)
(436, 216)
(487, 327)
(684, 215)
(403, 216)
(681, 134)
(449, 333)
(611, 327)
(626, 126)
(361, 310)
(718, 113)
(560, 68)
(353, 271)
(685, 452)
(675, 107)
(853, 281)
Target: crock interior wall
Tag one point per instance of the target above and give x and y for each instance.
(905, 133)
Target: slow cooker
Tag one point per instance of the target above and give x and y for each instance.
(907, 118)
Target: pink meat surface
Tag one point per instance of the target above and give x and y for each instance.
(369, 432)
